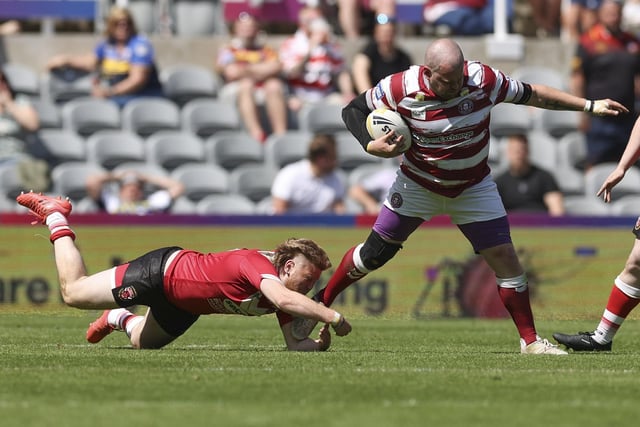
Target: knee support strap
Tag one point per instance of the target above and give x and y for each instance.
(375, 252)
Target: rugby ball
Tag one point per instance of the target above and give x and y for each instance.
(382, 121)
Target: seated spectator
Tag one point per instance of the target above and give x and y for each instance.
(124, 61)
(580, 16)
(371, 192)
(313, 64)
(9, 27)
(251, 71)
(311, 185)
(122, 192)
(351, 13)
(462, 17)
(18, 123)
(524, 187)
(380, 57)
(546, 17)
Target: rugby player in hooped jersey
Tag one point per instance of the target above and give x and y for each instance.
(447, 103)
(180, 285)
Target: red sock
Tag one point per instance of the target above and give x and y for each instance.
(620, 304)
(345, 274)
(518, 305)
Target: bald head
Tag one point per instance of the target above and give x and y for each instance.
(443, 53)
(444, 68)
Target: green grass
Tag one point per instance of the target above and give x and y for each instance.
(234, 371)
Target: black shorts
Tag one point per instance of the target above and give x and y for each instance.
(143, 284)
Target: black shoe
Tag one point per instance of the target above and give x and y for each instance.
(582, 341)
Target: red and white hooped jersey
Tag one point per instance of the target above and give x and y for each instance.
(223, 282)
(450, 138)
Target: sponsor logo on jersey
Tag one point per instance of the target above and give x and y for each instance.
(378, 93)
(465, 107)
(396, 200)
(127, 293)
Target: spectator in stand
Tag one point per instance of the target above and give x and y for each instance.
(311, 185)
(546, 16)
(525, 187)
(607, 61)
(124, 61)
(580, 16)
(251, 71)
(9, 27)
(371, 192)
(380, 57)
(19, 121)
(128, 196)
(313, 64)
(462, 17)
(351, 12)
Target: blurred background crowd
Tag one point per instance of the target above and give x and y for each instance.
(258, 130)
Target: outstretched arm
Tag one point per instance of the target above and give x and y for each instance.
(629, 157)
(554, 99)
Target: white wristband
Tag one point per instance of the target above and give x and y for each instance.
(337, 319)
(588, 106)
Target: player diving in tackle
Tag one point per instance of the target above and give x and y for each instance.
(179, 285)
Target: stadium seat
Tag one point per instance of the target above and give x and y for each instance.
(570, 180)
(230, 149)
(362, 172)
(543, 150)
(572, 151)
(10, 181)
(198, 18)
(321, 118)
(64, 84)
(8, 205)
(86, 116)
(596, 175)
(585, 206)
(184, 83)
(69, 179)
(144, 116)
(280, 150)
(350, 152)
(559, 123)
(183, 206)
(507, 119)
(86, 205)
(626, 206)
(63, 145)
(142, 167)
(145, 14)
(540, 75)
(48, 113)
(225, 204)
(205, 117)
(24, 80)
(201, 179)
(109, 148)
(252, 181)
(170, 149)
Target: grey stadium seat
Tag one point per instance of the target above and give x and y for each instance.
(184, 83)
(110, 148)
(63, 145)
(321, 118)
(64, 84)
(507, 119)
(350, 152)
(201, 179)
(48, 113)
(225, 204)
(252, 181)
(230, 149)
(23, 79)
(86, 116)
(198, 18)
(596, 175)
(145, 116)
(280, 150)
(69, 179)
(205, 117)
(170, 149)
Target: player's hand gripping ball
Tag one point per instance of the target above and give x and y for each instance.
(382, 121)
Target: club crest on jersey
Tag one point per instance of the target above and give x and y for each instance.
(378, 93)
(465, 107)
(127, 293)
(396, 200)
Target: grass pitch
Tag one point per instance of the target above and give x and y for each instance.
(234, 371)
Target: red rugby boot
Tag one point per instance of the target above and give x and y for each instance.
(42, 206)
(99, 329)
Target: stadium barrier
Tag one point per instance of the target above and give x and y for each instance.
(434, 275)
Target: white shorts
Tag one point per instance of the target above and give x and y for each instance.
(481, 202)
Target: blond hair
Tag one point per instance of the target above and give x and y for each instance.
(306, 247)
(117, 14)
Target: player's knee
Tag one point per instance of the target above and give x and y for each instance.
(375, 252)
